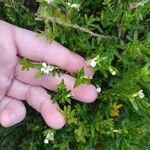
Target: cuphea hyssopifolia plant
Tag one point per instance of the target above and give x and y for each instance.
(114, 37)
(109, 56)
(62, 96)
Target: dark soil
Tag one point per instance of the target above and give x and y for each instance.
(31, 4)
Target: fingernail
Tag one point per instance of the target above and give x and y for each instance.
(88, 94)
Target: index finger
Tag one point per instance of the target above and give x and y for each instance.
(38, 49)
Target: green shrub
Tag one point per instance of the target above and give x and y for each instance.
(117, 34)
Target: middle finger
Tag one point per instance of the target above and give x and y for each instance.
(84, 92)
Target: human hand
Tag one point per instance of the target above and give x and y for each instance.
(17, 85)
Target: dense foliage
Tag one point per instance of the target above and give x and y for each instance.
(115, 34)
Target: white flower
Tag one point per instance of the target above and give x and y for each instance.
(49, 137)
(49, 1)
(92, 62)
(76, 6)
(117, 131)
(141, 94)
(69, 4)
(46, 68)
(46, 141)
(98, 89)
(113, 72)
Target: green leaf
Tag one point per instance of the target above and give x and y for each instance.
(69, 114)
(26, 64)
(134, 104)
(81, 78)
(63, 95)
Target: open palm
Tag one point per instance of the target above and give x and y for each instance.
(17, 85)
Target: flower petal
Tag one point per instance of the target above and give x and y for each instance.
(44, 64)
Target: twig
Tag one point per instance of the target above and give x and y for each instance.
(75, 26)
(139, 4)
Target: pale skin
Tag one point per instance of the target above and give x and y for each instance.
(17, 86)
